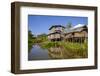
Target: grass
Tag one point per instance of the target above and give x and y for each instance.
(72, 50)
(77, 49)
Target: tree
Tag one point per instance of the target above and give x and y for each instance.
(30, 35)
(30, 39)
(69, 25)
(42, 37)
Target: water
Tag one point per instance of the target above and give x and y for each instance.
(38, 53)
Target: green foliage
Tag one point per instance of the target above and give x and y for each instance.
(72, 50)
(41, 38)
(69, 25)
(46, 44)
(77, 49)
(31, 37)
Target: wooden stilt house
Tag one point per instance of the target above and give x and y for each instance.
(56, 33)
(78, 33)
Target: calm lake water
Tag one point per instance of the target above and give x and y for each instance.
(38, 53)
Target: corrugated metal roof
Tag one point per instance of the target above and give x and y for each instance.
(76, 28)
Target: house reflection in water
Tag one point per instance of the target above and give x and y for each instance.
(55, 53)
(60, 53)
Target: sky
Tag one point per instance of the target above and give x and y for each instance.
(39, 24)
